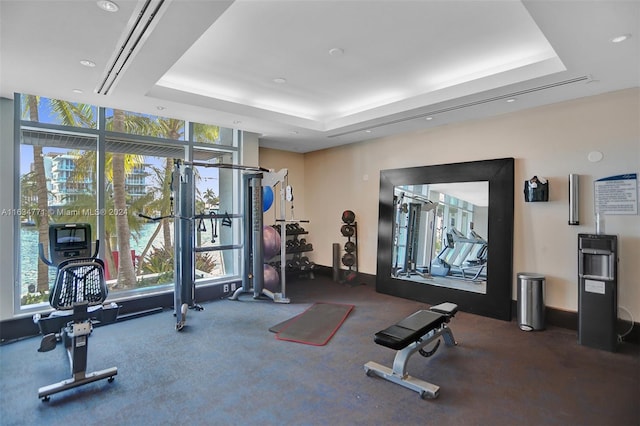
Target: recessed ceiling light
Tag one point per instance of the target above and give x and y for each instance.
(620, 38)
(88, 63)
(510, 100)
(107, 5)
(336, 51)
(367, 131)
(279, 80)
(77, 91)
(160, 108)
(293, 132)
(428, 118)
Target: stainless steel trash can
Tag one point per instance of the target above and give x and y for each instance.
(531, 307)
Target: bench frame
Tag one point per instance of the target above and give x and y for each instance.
(398, 374)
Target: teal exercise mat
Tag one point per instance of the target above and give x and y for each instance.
(315, 326)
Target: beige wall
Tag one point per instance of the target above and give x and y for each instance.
(551, 141)
(294, 163)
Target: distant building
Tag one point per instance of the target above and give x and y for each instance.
(135, 182)
(64, 186)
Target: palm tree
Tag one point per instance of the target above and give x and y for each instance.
(210, 198)
(160, 204)
(117, 166)
(71, 115)
(121, 164)
(28, 195)
(172, 129)
(42, 219)
(205, 132)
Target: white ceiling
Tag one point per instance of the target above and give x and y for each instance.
(353, 70)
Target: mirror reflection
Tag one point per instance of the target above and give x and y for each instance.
(440, 234)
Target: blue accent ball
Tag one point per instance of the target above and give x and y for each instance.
(267, 198)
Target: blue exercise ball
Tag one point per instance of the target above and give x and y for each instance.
(267, 198)
(271, 278)
(270, 242)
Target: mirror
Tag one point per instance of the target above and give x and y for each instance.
(439, 234)
(435, 225)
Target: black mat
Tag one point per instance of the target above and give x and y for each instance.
(315, 326)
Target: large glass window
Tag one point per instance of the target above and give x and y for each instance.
(71, 170)
(217, 227)
(53, 190)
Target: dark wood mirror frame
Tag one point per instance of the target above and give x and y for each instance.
(496, 303)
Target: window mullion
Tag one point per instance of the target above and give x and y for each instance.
(101, 178)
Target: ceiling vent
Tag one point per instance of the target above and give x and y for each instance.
(139, 28)
(469, 104)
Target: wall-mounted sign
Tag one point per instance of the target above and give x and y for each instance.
(616, 194)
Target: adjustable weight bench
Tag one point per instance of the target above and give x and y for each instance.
(409, 336)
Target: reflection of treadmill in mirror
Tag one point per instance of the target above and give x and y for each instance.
(463, 256)
(474, 265)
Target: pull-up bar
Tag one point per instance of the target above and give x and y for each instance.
(222, 166)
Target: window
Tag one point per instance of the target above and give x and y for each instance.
(71, 170)
(52, 191)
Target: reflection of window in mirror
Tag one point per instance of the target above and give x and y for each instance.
(440, 234)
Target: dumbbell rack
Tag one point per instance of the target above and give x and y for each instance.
(296, 247)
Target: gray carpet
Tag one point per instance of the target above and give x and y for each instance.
(226, 368)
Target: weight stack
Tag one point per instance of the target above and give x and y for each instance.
(349, 229)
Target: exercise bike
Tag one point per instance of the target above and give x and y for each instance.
(77, 296)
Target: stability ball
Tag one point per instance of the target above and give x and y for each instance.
(267, 198)
(271, 278)
(270, 242)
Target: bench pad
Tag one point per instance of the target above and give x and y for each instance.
(410, 329)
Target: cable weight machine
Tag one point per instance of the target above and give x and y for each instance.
(183, 192)
(253, 274)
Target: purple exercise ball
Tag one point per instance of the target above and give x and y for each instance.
(270, 242)
(271, 278)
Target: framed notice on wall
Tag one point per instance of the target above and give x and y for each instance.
(616, 194)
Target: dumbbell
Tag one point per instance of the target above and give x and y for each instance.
(305, 262)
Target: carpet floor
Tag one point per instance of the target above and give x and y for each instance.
(226, 368)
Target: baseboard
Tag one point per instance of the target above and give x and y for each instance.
(19, 328)
(569, 320)
(553, 317)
